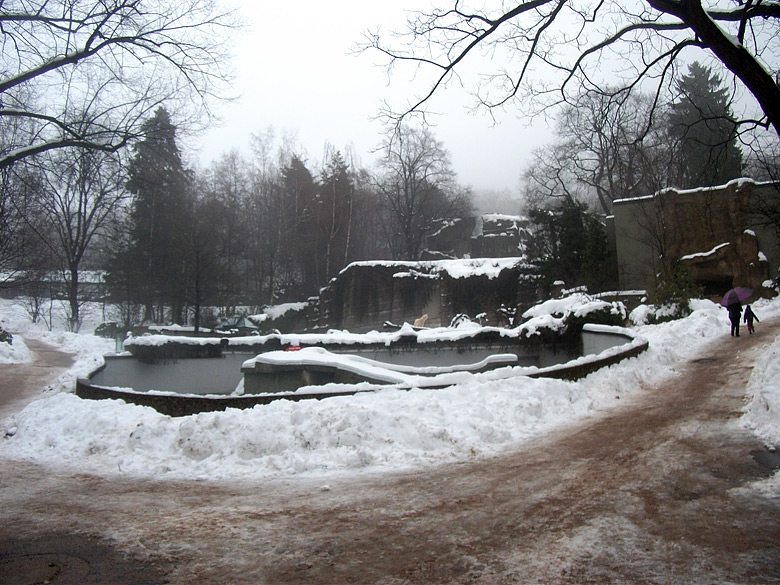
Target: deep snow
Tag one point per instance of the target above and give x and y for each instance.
(386, 430)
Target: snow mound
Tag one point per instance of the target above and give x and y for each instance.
(388, 430)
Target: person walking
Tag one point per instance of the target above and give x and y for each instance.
(749, 317)
(735, 314)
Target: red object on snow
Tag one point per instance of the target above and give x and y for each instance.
(293, 348)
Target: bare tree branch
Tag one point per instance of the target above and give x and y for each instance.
(108, 61)
(552, 45)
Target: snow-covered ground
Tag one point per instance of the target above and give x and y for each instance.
(386, 430)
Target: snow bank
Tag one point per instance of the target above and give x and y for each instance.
(15, 318)
(389, 430)
(15, 352)
(479, 415)
(761, 414)
(278, 311)
(577, 304)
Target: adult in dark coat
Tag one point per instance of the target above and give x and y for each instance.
(735, 314)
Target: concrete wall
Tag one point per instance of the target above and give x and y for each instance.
(637, 253)
(694, 225)
(177, 405)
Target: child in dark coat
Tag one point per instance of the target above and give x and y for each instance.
(749, 317)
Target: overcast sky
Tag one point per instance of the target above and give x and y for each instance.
(297, 71)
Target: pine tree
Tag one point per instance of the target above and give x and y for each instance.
(296, 242)
(152, 269)
(335, 214)
(706, 152)
(570, 245)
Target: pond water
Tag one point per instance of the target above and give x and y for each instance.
(184, 376)
(185, 386)
(222, 375)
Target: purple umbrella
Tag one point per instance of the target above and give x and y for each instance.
(736, 295)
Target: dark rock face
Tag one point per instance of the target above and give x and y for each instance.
(721, 234)
(366, 296)
(486, 236)
(711, 234)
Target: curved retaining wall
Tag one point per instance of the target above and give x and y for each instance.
(594, 336)
(184, 405)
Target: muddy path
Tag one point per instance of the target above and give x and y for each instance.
(20, 384)
(653, 491)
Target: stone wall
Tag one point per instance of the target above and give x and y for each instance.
(452, 239)
(716, 232)
(366, 296)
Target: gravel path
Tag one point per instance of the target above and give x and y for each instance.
(656, 490)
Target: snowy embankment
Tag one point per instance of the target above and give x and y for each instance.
(391, 429)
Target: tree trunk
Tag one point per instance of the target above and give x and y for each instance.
(198, 294)
(73, 300)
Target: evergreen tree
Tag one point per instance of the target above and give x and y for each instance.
(570, 244)
(152, 268)
(294, 242)
(599, 264)
(703, 125)
(334, 215)
(225, 197)
(203, 270)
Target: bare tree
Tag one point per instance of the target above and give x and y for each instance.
(23, 256)
(601, 152)
(552, 50)
(87, 73)
(79, 192)
(417, 187)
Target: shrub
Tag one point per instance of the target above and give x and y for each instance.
(609, 314)
(675, 285)
(110, 330)
(655, 314)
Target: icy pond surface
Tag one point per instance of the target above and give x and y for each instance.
(222, 375)
(182, 376)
